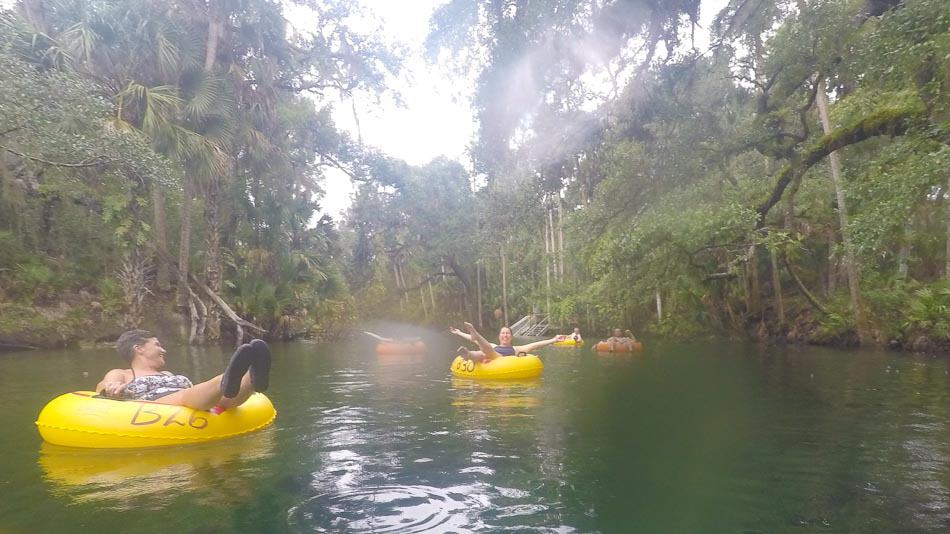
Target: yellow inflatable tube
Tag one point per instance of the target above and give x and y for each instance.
(501, 368)
(80, 419)
(568, 343)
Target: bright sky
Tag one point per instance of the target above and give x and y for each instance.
(437, 118)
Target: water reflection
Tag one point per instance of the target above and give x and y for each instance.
(703, 437)
(501, 398)
(151, 478)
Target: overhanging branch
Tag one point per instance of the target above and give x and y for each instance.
(891, 121)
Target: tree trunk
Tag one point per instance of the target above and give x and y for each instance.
(212, 208)
(659, 307)
(832, 281)
(504, 287)
(422, 297)
(560, 237)
(184, 243)
(553, 245)
(462, 275)
(850, 265)
(215, 31)
(478, 290)
(213, 265)
(754, 290)
(903, 255)
(160, 234)
(777, 288)
(547, 260)
(801, 287)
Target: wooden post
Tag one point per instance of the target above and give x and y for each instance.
(659, 306)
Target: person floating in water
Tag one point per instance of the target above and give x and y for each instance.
(576, 335)
(490, 351)
(247, 372)
(621, 341)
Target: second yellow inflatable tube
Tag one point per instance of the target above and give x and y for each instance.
(501, 368)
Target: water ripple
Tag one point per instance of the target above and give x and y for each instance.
(409, 509)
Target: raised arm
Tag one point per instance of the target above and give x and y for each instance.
(460, 334)
(379, 338)
(538, 344)
(113, 383)
(488, 349)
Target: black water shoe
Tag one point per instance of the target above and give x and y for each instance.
(240, 362)
(260, 367)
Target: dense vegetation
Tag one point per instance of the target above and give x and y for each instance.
(787, 180)
(163, 158)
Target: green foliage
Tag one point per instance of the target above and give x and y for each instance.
(110, 296)
(33, 280)
(112, 119)
(929, 311)
(664, 185)
(836, 324)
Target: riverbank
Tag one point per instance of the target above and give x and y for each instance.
(80, 320)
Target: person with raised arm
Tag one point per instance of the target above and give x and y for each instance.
(490, 351)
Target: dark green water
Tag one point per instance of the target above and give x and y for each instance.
(706, 437)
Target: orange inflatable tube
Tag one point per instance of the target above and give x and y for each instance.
(389, 347)
(603, 346)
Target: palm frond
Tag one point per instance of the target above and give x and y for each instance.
(167, 54)
(81, 39)
(205, 96)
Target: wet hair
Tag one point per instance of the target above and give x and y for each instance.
(128, 340)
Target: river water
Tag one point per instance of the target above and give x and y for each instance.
(703, 437)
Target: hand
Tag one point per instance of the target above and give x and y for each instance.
(470, 327)
(112, 389)
(560, 338)
(454, 330)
